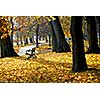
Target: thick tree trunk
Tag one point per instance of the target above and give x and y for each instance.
(61, 43)
(7, 48)
(79, 61)
(92, 34)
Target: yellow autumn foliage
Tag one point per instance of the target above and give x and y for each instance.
(48, 67)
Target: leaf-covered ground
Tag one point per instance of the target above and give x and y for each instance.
(47, 68)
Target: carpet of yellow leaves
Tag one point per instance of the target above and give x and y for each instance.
(48, 68)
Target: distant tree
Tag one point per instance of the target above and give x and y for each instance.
(37, 36)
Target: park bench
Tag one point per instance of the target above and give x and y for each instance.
(31, 53)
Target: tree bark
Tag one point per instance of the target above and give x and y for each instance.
(79, 61)
(7, 48)
(58, 36)
(92, 34)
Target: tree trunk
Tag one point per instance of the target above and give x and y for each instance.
(7, 48)
(37, 36)
(33, 37)
(54, 39)
(21, 41)
(98, 19)
(46, 39)
(12, 24)
(49, 40)
(92, 34)
(79, 61)
(31, 40)
(17, 34)
(26, 40)
(0, 47)
(61, 43)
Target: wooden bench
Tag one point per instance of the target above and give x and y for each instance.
(31, 53)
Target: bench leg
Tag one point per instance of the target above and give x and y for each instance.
(34, 56)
